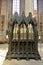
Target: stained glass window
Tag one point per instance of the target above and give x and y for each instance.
(35, 4)
(16, 6)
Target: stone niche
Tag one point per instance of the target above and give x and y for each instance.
(23, 38)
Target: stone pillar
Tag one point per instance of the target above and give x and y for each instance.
(6, 12)
(0, 6)
(22, 6)
(3, 17)
(9, 8)
(40, 18)
(29, 6)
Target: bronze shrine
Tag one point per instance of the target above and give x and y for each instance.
(23, 38)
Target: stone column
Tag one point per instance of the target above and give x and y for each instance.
(22, 6)
(0, 6)
(3, 15)
(40, 18)
(6, 11)
(29, 6)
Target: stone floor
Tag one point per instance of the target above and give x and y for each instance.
(4, 49)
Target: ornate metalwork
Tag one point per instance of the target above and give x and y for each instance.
(23, 37)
